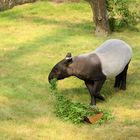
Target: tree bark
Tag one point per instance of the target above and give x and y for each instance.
(7, 4)
(100, 17)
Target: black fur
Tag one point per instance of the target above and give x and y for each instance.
(120, 80)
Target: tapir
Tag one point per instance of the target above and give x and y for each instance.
(110, 59)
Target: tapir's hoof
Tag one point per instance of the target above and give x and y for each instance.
(123, 88)
(92, 104)
(101, 97)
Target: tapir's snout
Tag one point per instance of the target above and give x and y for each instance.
(55, 76)
(50, 77)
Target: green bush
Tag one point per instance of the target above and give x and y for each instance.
(119, 14)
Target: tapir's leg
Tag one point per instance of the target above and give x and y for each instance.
(94, 90)
(91, 90)
(120, 80)
(117, 81)
(123, 78)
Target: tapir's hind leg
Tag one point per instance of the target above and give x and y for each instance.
(123, 78)
(120, 80)
(117, 81)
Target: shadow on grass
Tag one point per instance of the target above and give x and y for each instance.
(34, 45)
(11, 14)
(83, 27)
(107, 91)
(60, 36)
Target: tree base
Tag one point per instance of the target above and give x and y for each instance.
(101, 32)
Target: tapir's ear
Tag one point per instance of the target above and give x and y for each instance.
(68, 57)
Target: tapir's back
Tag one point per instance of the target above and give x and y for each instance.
(114, 55)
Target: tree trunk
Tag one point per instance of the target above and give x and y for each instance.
(100, 17)
(7, 4)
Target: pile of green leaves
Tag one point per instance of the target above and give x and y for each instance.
(73, 111)
(120, 15)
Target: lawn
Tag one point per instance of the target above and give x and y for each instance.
(34, 37)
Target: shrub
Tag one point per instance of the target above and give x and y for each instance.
(119, 14)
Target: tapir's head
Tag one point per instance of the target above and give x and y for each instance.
(60, 70)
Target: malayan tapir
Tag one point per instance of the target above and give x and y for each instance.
(111, 59)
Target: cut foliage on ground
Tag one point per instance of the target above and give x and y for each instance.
(77, 112)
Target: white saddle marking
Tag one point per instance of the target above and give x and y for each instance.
(114, 55)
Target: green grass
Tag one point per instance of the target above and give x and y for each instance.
(33, 38)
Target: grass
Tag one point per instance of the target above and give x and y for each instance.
(33, 38)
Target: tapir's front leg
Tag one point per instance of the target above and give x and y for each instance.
(94, 90)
